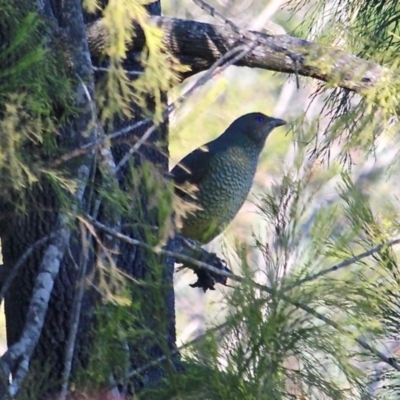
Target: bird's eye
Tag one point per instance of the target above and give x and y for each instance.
(260, 118)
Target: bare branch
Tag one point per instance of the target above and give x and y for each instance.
(155, 249)
(20, 352)
(200, 45)
(75, 317)
(127, 72)
(88, 147)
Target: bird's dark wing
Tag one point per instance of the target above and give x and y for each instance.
(191, 169)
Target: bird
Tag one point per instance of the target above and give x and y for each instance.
(222, 172)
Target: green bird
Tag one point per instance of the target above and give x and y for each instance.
(222, 172)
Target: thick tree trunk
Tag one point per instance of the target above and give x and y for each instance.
(153, 296)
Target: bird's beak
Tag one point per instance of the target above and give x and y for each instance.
(277, 122)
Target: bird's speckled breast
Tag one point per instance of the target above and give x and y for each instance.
(222, 193)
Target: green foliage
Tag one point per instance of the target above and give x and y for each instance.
(330, 195)
(160, 70)
(301, 336)
(34, 96)
(109, 353)
(128, 327)
(293, 329)
(159, 199)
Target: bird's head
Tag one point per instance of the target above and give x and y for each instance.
(256, 126)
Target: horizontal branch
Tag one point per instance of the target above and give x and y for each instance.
(186, 251)
(200, 45)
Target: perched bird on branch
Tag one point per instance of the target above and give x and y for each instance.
(222, 173)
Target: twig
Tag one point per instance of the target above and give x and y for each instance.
(219, 17)
(155, 249)
(88, 147)
(107, 165)
(345, 263)
(250, 36)
(157, 361)
(263, 19)
(127, 72)
(220, 63)
(181, 257)
(201, 81)
(379, 373)
(388, 360)
(74, 323)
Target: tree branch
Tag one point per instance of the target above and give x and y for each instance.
(200, 45)
(20, 352)
(270, 290)
(185, 250)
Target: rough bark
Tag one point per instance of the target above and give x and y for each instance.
(49, 340)
(199, 45)
(38, 302)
